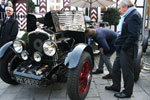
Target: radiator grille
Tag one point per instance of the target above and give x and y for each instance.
(36, 41)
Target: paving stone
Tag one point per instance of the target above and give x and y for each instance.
(3, 85)
(141, 96)
(58, 99)
(137, 88)
(59, 90)
(92, 99)
(2, 92)
(27, 93)
(109, 95)
(93, 93)
(99, 80)
(13, 89)
(9, 96)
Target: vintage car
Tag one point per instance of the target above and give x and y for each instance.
(55, 52)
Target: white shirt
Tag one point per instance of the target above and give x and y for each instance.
(3, 6)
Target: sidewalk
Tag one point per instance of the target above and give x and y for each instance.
(58, 91)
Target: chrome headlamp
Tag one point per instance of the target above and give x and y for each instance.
(18, 46)
(24, 55)
(49, 48)
(37, 56)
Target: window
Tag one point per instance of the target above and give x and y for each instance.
(52, 1)
(58, 7)
(58, 1)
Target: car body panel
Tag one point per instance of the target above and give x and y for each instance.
(73, 57)
(4, 48)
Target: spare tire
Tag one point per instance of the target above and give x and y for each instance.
(138, 66)
(145, 44)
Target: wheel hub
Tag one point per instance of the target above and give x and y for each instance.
(85, 77)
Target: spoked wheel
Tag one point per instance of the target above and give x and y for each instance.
(139, 65)
(84, 77)
(79, 79)
(7, 65)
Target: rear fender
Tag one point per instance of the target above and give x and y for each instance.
(74, 56)
(4, 48)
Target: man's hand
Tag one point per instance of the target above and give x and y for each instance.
(102, 50)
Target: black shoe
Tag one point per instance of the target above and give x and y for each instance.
(112, 88)
(108, 76)
(122, 95)
(98, 71)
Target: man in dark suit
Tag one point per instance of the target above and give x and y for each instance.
(105, 39)
(2, 9)
(127, 48)
(9, 28)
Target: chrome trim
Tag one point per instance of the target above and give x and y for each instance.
(40, 31)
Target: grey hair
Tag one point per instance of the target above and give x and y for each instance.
(10, 8)
(124, 3)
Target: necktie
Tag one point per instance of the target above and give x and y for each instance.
(6, 19)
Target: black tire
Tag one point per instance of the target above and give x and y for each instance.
(138, 66)
(145, 44)
(79, 78)
(6, 66)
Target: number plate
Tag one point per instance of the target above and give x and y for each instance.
(29, 81)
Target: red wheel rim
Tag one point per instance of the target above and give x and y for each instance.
(84, 77)
(9, 63)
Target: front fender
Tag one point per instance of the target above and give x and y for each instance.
(4, 48)
(73, 57)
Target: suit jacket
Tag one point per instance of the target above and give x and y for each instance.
(130, 32)
(2, 12)
(9, 31)
(106, 39)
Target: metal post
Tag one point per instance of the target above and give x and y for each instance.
(144, 16)
(116, 3)
(90, 7)
(135, 1)
(148, 19)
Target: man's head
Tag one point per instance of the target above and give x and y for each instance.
(9, 11)
(2, 2)
(123, 6)
(10, 4)
(90, 33)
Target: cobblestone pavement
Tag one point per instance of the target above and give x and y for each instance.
(58, 91)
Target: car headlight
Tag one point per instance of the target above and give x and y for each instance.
(18, 46)
(24, 55)
(49, 48)
(37, 56)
